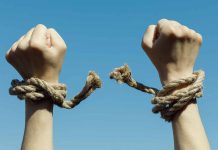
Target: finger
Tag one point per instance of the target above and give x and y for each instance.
(195, 36)
(15, 45)
(38, 38)
(175, 23)
(199, 37)
(149, 37)
(13, 48)
(24, 43)
(192, 33)
(56, 40)
(170, 28)
(161, 24)
(28, 36)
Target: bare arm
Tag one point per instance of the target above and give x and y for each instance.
(188, 130)
(40, 54)
(173, 49)
(38, 127)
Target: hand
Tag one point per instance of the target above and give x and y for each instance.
(172, 48)
(39, 53)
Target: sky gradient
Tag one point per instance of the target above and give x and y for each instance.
(101, 35)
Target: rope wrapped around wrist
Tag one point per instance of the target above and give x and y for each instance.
(35, 89)
(174, 96)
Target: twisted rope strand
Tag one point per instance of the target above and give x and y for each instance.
(172, 98)
(123, 75)
(35, 89)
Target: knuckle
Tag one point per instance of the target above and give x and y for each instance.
(169, 31)
(151, 26)
(199, 38)
(185, 28)
(191, 34)
(162, 21)
(51, 29)
(166, 27)
(176, 23)
(180, 34)
(176, 32)
(40, 26)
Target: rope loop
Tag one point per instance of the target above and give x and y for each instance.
(173, 97)
(35, 89)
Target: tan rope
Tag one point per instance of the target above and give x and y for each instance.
(174, 96)
(35, 89)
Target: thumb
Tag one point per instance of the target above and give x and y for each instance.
(148, 38)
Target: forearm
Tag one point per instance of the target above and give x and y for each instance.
(42, 52)
(173, 49)
(38, 126)
(188, 130)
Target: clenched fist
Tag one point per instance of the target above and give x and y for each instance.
(39, 53)
(172, 48)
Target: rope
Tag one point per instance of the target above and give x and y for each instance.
(35, 89)
(174, 96)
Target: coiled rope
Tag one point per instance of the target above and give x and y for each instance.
(35, 89)
(174, 96)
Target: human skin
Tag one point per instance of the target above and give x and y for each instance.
(39, 53)
(173, 49)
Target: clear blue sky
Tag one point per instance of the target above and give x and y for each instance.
(102, 35)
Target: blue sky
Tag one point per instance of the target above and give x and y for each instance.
(101, 35)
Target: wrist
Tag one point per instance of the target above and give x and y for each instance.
(186, 115)
(44, 105)
(49, 79)
(168, 76)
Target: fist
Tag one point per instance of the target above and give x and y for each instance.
(39, 53)
(172, 49)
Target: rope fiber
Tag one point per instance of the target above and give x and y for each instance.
(35, 89)
(173, 97)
